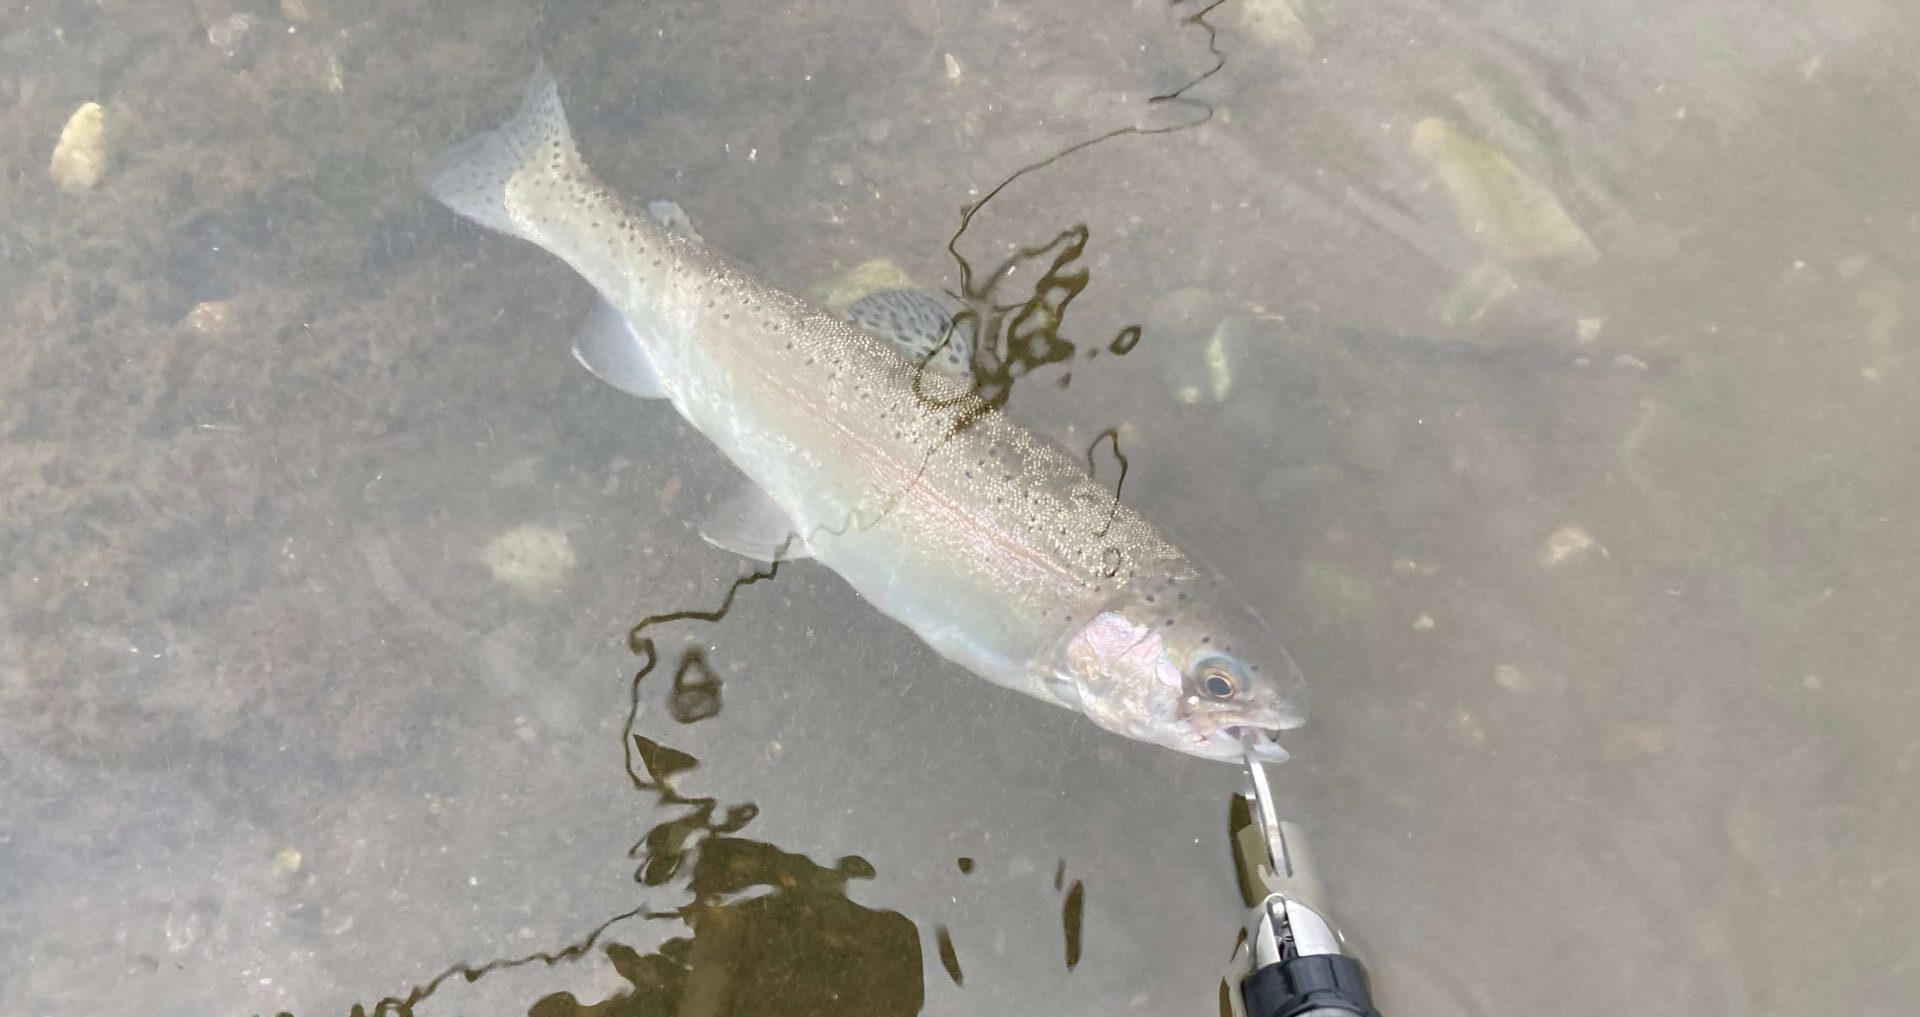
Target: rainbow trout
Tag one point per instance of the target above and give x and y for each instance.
(994, 546)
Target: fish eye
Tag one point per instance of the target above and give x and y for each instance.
(1216, 682)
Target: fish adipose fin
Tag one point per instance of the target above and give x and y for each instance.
(672, 216)
(917, 324)
(750, 525)
(609, 346)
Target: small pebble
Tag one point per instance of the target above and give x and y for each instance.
(80, 158)
(233, 36)
(1466, 730)
(210, 317)
(1275, 22)
(533, 561)
(1569, 543)
(1423, 623)
(1197, 344)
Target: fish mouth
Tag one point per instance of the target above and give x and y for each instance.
(1237, 741)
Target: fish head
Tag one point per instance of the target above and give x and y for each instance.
(1196, 673)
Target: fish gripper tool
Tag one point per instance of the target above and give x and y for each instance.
(1292, 961)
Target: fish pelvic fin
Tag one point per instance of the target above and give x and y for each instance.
(750, 524)
(479, 176)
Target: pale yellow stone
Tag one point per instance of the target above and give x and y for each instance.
(532, 561)
(80, 157)
(840, 292)
(210, 317)
(1568, 543)
(1511, 214)
(287, 861)
(1274, 22)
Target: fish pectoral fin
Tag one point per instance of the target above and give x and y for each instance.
(750, 525)
(1065, 691)
(608, 345)
(917, 324)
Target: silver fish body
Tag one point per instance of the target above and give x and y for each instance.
(996, 547)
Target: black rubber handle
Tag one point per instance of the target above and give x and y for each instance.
(1316, 984)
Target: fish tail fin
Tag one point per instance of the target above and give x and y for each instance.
(478, 176)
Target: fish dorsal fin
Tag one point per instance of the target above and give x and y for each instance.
(917, 324)
(609, 346)
(749, 524)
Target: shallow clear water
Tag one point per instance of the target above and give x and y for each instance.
(1546, 373)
